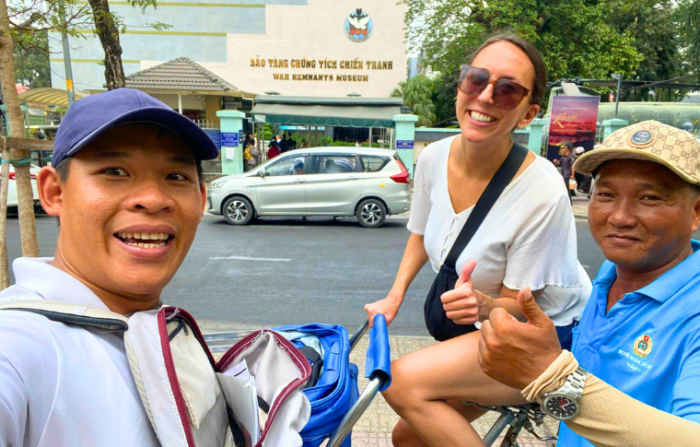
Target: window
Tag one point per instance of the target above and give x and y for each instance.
(333, 164)
(374, 163)
(287, 166)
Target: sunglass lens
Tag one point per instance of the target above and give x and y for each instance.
(474, 80)
(507, 94)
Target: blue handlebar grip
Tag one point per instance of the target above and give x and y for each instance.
(378, 363)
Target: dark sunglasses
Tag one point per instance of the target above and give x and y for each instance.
(507, 94)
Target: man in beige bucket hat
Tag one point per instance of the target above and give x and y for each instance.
(632, 377)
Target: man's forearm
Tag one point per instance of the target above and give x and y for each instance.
(610, 418)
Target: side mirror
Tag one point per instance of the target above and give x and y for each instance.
(262, 173)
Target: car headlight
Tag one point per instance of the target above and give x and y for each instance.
(217, 183)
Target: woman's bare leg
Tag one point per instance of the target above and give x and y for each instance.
(424, 381)
(404, 436)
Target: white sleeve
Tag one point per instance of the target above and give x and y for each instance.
(420, 203)
(544, 251)
(14, 405)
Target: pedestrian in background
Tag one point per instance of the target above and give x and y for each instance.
(286, 143)
(566, 162)
(273, 151)
(251, 157)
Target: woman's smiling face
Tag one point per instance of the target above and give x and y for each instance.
(479, 118)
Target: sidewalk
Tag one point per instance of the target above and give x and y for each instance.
(375, 426)
(580, 207)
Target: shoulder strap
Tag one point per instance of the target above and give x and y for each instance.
(493, 191)
(71, 314)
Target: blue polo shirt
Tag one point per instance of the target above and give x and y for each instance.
(648, 345)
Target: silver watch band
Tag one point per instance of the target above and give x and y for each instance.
(574, 384)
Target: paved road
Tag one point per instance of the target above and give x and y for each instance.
(282, 271)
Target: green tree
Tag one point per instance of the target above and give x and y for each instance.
(654, 26)
(574, 36)
(31, 58)
(417, 94)
(689, 19)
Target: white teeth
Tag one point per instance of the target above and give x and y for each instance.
(482, 118)
(145, 236)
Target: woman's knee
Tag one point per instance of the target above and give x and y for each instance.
(404, 436)
(403, 389)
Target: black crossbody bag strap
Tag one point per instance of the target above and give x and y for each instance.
(493, 191)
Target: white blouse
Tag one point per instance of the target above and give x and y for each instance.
(527, 239)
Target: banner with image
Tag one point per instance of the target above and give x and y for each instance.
(573, 120)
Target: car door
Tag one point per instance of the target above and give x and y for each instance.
(333, 184)
(282, 188)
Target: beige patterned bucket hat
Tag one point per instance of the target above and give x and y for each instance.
(674, 148)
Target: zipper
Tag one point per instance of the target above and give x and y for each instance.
(180, 326)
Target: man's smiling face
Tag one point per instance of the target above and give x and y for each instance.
(129, 209)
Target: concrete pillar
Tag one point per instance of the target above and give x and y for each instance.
(405, 136)
(534, 140)
(610, 126)
(231, 141)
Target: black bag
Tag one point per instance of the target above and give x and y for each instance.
(439, 326)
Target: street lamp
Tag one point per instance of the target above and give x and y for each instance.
(272, 93)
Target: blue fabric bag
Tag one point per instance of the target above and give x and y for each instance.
(336, 390)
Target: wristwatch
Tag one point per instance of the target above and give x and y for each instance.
(565, 403)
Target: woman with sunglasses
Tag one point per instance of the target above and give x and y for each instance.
(527, 239)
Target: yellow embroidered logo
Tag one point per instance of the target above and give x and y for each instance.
(642, 346)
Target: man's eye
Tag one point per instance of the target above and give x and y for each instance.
(650, 198)
(115, 171)
(177, 177)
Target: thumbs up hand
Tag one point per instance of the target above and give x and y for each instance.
(463, 304)
(516, 353)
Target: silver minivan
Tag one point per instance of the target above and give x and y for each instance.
(369, 184)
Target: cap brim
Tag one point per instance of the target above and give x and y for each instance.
(203, 148)
(591, 160)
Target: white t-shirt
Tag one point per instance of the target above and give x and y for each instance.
(527, 239)
(60, 385)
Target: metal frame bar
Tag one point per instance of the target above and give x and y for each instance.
(503, 421)
(357, 410)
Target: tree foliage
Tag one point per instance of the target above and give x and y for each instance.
(32, 66)
(417, 93)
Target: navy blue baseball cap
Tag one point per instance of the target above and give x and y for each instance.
(91, 116)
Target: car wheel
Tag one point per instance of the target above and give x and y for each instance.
(238, 210)
(371, 213)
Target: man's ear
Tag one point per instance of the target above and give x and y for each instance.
(696, 208)
(50, 188)
(203, 192)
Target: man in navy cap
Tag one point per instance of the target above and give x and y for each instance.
(126, 186)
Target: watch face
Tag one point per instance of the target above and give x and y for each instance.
(561, 407)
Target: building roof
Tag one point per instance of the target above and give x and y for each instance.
(185, 76)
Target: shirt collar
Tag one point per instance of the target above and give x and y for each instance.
(663, 287)
(51, 283)
(668, 284)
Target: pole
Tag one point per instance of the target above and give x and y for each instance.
(617, 94)
(66, 56)
(179, 103)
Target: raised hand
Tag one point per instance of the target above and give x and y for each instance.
(516, 353)
(463, 304)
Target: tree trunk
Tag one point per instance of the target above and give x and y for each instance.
(4, 180)
(108, 33)
(25, 194)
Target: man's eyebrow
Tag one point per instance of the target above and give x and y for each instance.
(111, 154)
(183, 160)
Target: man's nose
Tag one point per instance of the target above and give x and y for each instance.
(622, 214)
(152, 198)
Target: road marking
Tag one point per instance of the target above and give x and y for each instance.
(245, 258)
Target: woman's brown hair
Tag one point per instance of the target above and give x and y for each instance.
(532, 53)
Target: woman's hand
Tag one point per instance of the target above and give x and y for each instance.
(389, 307)
(464, 305)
